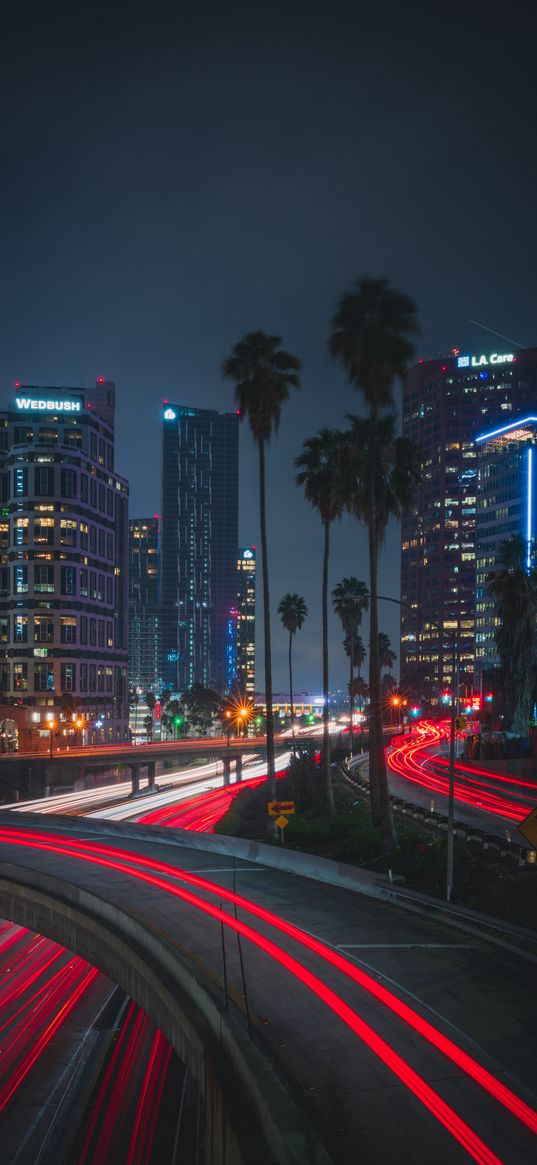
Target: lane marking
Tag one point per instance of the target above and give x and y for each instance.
(405, 946)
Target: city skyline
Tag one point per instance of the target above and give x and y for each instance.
(196, 195)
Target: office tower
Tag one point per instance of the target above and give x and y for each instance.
(446, 403)
(200, 474)
(145, 645)
(246, 621)
(64, 558)
(506, 501)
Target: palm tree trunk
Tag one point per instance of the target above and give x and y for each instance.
(380, 795)
(381, 809)
(351, 697)
(271, 770)
(291, 682)
(326, 734)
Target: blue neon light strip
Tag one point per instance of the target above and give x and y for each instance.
(529, 528)
(505, 428)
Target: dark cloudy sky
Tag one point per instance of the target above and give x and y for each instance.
(172, 179)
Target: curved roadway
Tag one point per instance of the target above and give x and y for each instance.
(399, 1036)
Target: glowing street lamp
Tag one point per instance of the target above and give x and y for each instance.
(51, 725)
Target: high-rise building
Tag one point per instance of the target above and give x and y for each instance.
(200, 498)
(446, 403)
(145, 635)
(64, 558)
(506, 506)
(246, 621)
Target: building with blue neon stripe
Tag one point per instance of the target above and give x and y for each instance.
(446, 402)
(506, 503)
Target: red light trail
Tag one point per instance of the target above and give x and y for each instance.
(111, 857)
(411, 759)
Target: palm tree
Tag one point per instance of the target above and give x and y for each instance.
(396, 469)
(320, 468)
(292, 610)
(387, 656)
(372, 339)
(263, 374)
(350, 598)
(514, 590)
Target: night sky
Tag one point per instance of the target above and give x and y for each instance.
(171, 181)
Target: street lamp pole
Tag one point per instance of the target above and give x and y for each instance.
(452, 727)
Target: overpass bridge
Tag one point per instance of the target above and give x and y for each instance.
(32, 773)
(323, 1025)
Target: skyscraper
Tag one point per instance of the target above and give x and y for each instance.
(63, 578)
(200, 497)
(246, 621)
(506, 506)
(145, 631)
(446, 403)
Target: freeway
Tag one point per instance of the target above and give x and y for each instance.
(41, 1053)
(455, 984)
(366, 1009)
(493, 801)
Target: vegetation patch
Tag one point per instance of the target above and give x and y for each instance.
(481, 882)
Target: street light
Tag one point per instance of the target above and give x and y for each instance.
(454, 698)
(51, 724)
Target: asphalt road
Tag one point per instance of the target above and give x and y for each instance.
(480, 995)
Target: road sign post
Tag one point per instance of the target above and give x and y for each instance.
(281, 810)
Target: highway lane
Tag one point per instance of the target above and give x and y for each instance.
(492, 801)
(34, 979)
(373, 951)
(369, 1040)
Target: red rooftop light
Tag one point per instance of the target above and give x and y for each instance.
(100, 380)
(165, 402)
(17, 384)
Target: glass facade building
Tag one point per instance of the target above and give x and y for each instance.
(446, 404)
(199, 539)
(64, 557)
(506, 501)
(246, 567)
(145, 631)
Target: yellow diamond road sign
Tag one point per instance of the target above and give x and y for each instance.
(281, 821)
(528, 828)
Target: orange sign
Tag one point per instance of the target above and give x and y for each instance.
(276, 808)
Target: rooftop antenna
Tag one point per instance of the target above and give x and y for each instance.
(493, 333)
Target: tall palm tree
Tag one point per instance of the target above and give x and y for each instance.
(350, 598)
(320, 468)
(387, 656)
(292, 610)
(263, 374)
(514, 590)
(374, 325)
(396, 467)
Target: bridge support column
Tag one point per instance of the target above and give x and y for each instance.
(151, 766)
(227, 770)
(238, 769)
(135, 778)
